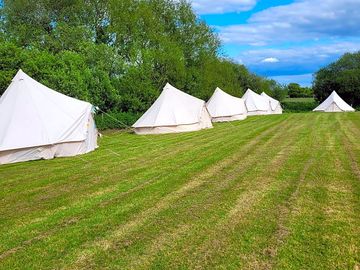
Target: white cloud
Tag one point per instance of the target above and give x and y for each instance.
(312, 33)
(295, 54)
(301, 20)
(219, 7)
(270, 60)
(296, 60)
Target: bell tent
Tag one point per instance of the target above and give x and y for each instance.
(334, 103)
(255, 103)
(275, 106)
(174, 111)
(224, 107)
(39, 123)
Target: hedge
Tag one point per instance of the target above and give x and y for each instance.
(298, 107)
(115, 120)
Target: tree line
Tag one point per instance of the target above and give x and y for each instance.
(118, 54)
(342, 76)
(295, 90)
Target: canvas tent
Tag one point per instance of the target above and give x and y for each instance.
(224, 107)
(174, 111)
(334, 103)
(255, 103)
(39, 123)
(275, 106)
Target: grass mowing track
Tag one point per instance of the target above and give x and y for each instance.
(270, 192)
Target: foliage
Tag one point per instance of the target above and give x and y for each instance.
(118, 55)
(274, 89)
(68, 72)
(296, 91)
(297, 105)
(342, 76)
(115, 120)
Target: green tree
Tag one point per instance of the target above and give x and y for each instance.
(342, 76)
(296, 91)
(11, 59)
(276, 90)
(118, 54)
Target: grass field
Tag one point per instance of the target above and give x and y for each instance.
(270, 192)
(306, 100)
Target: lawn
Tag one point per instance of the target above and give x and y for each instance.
(270, 192)
(305, 100)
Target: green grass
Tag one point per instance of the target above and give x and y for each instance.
(306, 100)
(270, 192)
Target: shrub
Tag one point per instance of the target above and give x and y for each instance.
(115, 120)
(297, 107)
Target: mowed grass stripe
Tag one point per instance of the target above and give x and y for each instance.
(208, 248)
(106, 176)
(253, 195)
(93, 173)
(323, 225)
(66, 168)
(46, 235)
(230, 168)
(126, 143)
(197, 213)
(60, 225)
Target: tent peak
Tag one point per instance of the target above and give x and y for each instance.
(256, 103)
(250, 92)
(225, 107)
(172, 91)
(219, 90)
(20, 75)
(169, 87)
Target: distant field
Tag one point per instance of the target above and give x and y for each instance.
(310, 100)
(299, 105)
(270, 192)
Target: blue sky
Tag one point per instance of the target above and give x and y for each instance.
(287, 40)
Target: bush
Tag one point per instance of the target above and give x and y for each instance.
(115, 120)
(298, 106)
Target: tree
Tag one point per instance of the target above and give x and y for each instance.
(342, 76)
(118, 54)
(276, 90)
(296, 91)
(11, 59)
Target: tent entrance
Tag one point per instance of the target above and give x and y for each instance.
(333, 108)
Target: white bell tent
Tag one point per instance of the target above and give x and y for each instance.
(224, 107)
(255, 103)
(275, 105)
(174, 111)
(334, 103)
(39, 123)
